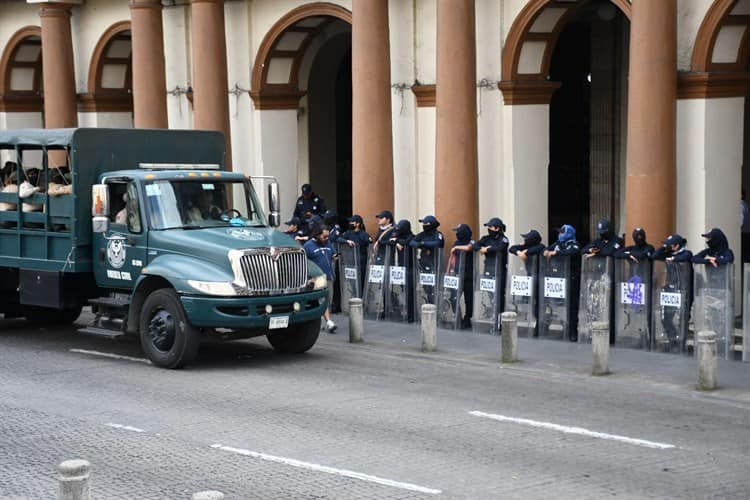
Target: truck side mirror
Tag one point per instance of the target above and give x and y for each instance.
(99, 208)
(274, 217)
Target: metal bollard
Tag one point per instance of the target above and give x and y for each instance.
(600, 347)
(705, 353)
(429, 327)
(509, 336)
(74, 480)
(356, 323)
(208, 495)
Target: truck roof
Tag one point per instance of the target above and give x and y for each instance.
(180, 174)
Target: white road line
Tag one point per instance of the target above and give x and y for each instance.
(125, 427)
(110, 355)
(329, 470)
(574, 430)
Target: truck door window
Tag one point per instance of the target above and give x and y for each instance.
(133, 209)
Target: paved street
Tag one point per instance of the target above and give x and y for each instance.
(376, 420)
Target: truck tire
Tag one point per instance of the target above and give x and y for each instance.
(167, 338)
(297, 338)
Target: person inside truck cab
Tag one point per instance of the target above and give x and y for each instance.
(202, 208)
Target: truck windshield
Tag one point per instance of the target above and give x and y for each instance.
(202, 203)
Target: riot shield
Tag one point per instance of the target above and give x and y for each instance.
(556, 298)
(595, 302)
(451, 308)
(349, 278)
(521, 292)
(427, 266)
(746, 312)
(672, 283)
(374, 289)
(487, 286)
(714, 304)
(399, 297)
(632, 303)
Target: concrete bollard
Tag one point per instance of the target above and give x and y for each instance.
(356, 322)
(600, 347)
(208, 495)
(705, 353)
(509, 336)
(429, 328)
(74, 480)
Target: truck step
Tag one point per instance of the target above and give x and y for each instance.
(120, 302)
(101, 332)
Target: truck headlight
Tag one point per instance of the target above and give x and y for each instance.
(318, 282)
(213, 287)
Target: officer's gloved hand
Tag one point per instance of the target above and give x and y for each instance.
(415, 244)
(392, 242)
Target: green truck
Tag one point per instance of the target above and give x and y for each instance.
(149, 229)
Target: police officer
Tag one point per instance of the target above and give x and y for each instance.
(464, 244)
(639, 251)
(296, 230)
(357, 236)
(532, 245)
(400, 241)
(567, 246)
(330, 220)
(494, 247)
(606, 244)
(385, 230)
(673, 251)
(429, 240)
(718, 251)
(308, 204)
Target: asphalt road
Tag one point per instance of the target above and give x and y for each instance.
(378, 420)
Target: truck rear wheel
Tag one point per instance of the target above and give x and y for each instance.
(297, 338)
(167, 338)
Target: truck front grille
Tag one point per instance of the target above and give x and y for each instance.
(283, 272)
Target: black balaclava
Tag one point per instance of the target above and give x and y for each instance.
(639, 237)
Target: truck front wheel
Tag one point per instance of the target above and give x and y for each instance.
(297, 338)
(167, 338)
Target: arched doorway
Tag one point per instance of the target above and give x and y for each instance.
(588, 119)
(109, 100)
(329, 100)
(551, 51)
(301, 86)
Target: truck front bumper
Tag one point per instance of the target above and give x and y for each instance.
(250, 312)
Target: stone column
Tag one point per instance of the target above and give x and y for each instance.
(372, 141)
(58, 73)
(149, 78)
(456, 190)
(210, 83)
(651, 187)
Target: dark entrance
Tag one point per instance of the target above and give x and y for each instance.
(330, 123)
(588, 119)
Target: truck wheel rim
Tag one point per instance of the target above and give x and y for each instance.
(161, 329)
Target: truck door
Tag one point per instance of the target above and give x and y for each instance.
(121, 252)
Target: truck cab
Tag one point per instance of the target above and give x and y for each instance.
(160, 239)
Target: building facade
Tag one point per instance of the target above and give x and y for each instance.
(542, 112)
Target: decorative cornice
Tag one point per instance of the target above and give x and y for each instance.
(528, 91)
(145, 4)
(266, 99)
(105, 102)
(425, 95)
(712, 85)
(19, 103)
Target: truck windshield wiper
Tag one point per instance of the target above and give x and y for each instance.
(192, 226)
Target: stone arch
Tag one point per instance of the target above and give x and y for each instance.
(110, 80)
(21, 82)
(529, 46)
(275, 77)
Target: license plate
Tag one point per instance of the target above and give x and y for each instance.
(278, 322)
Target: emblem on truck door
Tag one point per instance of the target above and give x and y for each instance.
(116, 251)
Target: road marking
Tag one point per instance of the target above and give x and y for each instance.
(329, 470)
(110, 355)
(125, 427)
(574, 430)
